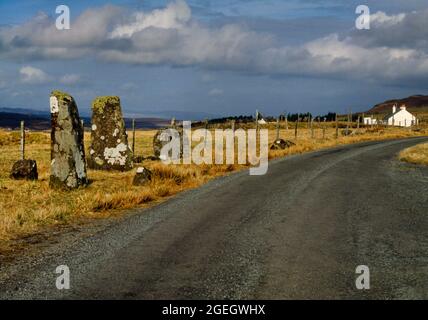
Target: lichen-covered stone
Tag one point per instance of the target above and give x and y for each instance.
(142, 177)
(68, 166)
(109, 141)
(24, 169)
(281, 144)
(164, 136)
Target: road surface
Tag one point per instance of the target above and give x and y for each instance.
(298, 232)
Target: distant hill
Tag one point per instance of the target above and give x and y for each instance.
(182, 115)
(34, 122)
(37, 120)
(415, 104)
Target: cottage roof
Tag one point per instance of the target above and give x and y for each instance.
(390, 115)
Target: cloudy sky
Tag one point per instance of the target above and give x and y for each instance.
(216, 56)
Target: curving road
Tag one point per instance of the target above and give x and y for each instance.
(298, 232)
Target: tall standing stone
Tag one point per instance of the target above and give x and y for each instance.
(68, 166)
(109, 140)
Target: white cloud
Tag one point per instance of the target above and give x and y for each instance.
(174, 16)
(207, 78)
(381, 18)
(395, 48)
(129, 86)
(330, 55)
(70, 79)
(33, 75)
(216, 92)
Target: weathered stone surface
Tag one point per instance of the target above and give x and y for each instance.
(142, 177)
(347, 132)
(281, 144)
(164, 136)
(109, 140)
(24, 169)
(68, 166)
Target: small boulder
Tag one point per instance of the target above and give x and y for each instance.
(24, 169)
(281, 144)
(347, 132)
(142, 177)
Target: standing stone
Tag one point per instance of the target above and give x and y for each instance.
(109, 140)
(163, 137)
(24, 169)
(68, 167)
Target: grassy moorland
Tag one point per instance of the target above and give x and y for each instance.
(30, 208)
(417, 154)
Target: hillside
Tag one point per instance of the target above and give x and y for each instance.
(40, 121)
(415, 104)
(34, 122)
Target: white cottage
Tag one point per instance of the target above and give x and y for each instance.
(369, 120)
(400, 118)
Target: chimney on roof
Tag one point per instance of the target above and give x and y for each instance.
(403, 107)
(394, 108)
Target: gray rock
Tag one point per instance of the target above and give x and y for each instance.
(142, 177)
(24, 169)
(68, 166)
(347, 132)
(163, 137)
(281, 144)
(109, 141)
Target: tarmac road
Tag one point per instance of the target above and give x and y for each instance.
(299, 232)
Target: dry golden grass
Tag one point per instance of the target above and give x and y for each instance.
(27, 208)
(417, 154)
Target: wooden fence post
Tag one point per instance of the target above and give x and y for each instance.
(22, 140)
(337, 127)
(295, 129)
(312, 128)
(277, 128)
(257, 121)
(347, 126)
(133, 136)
